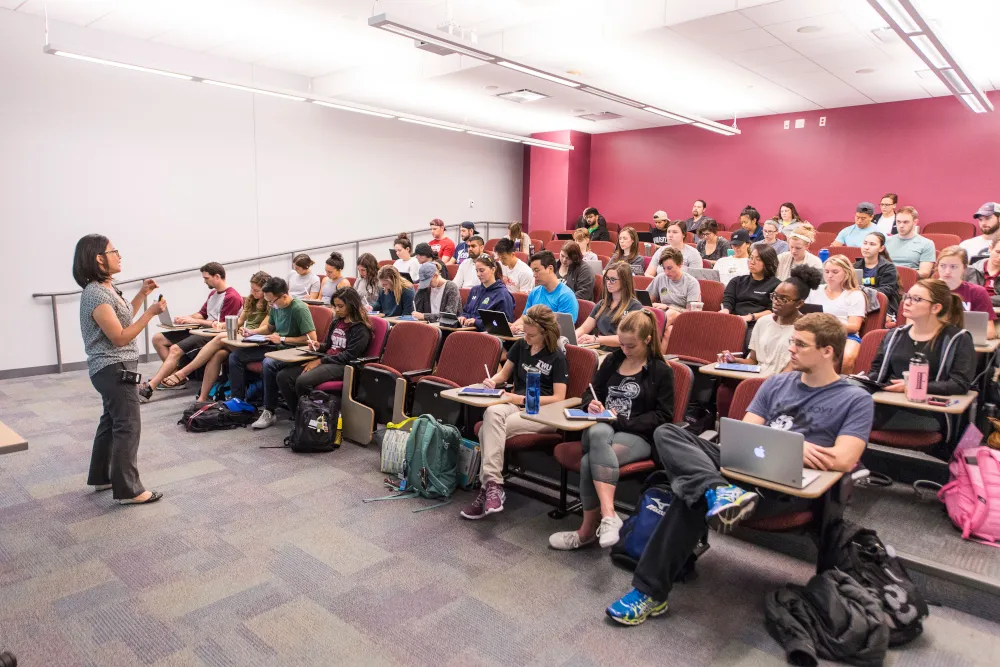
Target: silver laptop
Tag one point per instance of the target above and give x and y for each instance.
(595, 266)
(704, 274)
(761, 451)
(567, 327)
(975, 324)
(165, 318)
(860, 273)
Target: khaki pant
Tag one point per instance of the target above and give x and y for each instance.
(499, 423)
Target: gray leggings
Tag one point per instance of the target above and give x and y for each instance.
(603, 451)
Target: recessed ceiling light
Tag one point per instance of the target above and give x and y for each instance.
(574, 72)
(865, 70)
(579, 110)
(522, 96)
(806, 29)
(492, 87)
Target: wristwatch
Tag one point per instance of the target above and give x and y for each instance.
(282, 339)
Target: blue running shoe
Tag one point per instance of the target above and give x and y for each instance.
(728, 505)
(635, 607)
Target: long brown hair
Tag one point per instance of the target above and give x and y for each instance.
(952, 311)
(368, 262)
(356, 311)
(398, 283)
(642, 323)
(514, 231)
(251, 304)
(633, 251)
(543, 318)
(490, 263)
(624, 274)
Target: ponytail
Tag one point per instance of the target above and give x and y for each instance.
(491, 263)
(954, 312)
(643, 324)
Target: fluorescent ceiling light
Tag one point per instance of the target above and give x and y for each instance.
(900, 15)
(973, 103)
(609, 96)
(424, 122)
(522, 96)
(435, 41)
(557, 148)
(493, 136)
(538, 73)
(253, 90)
(101, 61)
(931, 53)
(354, 109)
(673, 116)
(712, 128)
(955, 80)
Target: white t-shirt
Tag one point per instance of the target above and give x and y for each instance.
(770, 341)
(692, 259)
(885, 224)
(437, 293)
(302, 286)
(975, 246)
(466, 277)
(520, 278)
(730, 267)
(411, 266)
(850, 303)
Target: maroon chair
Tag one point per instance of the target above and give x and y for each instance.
(570, 454)
(661, 319)
(490, 244)
(641, 282)
(614, 227)
(598, 288)
(452, 270)
(555, 247)
(602, 248)
(351, 280)
(705, 264)
(380, 331)
(712, 292)
(543, 235)
(942, 241)
(586, 308)
(384, 262)
(523, 256)
(463, 294)
(724, 234)
(645, 262)
(520, 301)
(853, 253)
(604, 260)
(875, 321)
(870, 344)
(699, 336)
(640, 226)
(834, 226)
(963, 230)
(821, 240)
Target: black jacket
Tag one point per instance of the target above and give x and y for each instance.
(657, 380)
(952, 360)
(886, 281)
(580, 279)
(359, 337)
(833, 617)
(744, 295)
(599, 234)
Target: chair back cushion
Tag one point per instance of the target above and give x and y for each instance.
(581, 363)
(876, 320)
(464, 354)
(743, 397)
(322, 318)
(712, 292)
(520, 301)
(586, 308)
(703, 334)
(411, 346)
(683, 378)
(870, 343)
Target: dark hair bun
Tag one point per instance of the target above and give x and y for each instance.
(809, 276)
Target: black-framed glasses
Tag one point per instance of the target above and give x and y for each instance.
(799, 344)
(776, 298)
(114, 252)
(610, 279)
(915, 299)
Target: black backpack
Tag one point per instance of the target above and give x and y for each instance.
(862, 555)
(201, 417)
(315, 428)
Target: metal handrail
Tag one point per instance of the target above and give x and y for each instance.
(52, 296)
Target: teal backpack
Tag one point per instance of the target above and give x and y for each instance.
(431, 466)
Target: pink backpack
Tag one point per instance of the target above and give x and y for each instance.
(972, 497)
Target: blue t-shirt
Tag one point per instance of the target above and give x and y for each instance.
(560, 300)
(461, 252)
(821, 414)
(853, 236)
(869, 279)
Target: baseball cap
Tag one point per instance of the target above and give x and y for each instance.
(424, 250)
(739, 237)
(469, 225)
(660, 215)
(424, 275)
(437, 222)
(987, 209)
(866, 207)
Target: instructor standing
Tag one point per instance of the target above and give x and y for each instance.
(113, 358)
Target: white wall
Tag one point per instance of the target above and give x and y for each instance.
(178, 173)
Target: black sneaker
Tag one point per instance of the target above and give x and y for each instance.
(145, 392)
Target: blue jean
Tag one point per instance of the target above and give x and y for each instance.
(271, 392)
(238, 361)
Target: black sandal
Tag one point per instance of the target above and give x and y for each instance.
(154, 496)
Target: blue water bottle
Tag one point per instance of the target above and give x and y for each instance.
(824, 254)
(533, 391)
(730, 252)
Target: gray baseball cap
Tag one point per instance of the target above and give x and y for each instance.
(427, 271)
(866, 207)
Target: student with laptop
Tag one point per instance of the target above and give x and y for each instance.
(335, 279)
(289, 324)
(582, 239)
(627, 251)
(366, 284)
(302, 282)
(405, 262)
(171, 346)
(842, 296)
(520, 238)
(517, 275)
(675, 239)
(711, 246)
(951, 265)
(396, 295)
(637, 386)
(538, 349)
(618, 300)
(853, 236)
(489, 294)
(878, 271)
(674, 289)
(443, 247)
(466, 277)
(435, 295)
(549, 291)
(572, 271)
(833, 416)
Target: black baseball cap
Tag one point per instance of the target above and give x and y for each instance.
(424, 249)
(470, 225)
(739, 237)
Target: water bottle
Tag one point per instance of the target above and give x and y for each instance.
(824, 254)
(533, 392)
(730, 252)
(919, 376)
(231, 329)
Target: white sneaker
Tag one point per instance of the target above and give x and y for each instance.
(568, 541)
(265, 420)
(607, 532)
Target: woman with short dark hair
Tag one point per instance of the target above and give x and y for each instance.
(113, 358)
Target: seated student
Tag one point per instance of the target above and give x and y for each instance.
(171, 346)
(698, 216)
(749, 296)
(538, 349)
(637, 385)
(853, 236)
(253, 319)
(907, 247)
(799, 240)
(348, 339)
(834, 416)
(710, 245)
(750, 221)
(489, 294)
(842, 297)
(989, 267)
(302, 282)
(582, 239)
(520, 239)
(334, 277)
(737, 264)
(548, 291)
(659, 229)
(673, 289)
(396, 297)
(952, 265)
(517, 275)
(466, 232)
(618, 300)
(576, 275)
(771, 229)
(788, 218)
(675, 239)
(435, 294)
(466, 278)
(595, 224)
(988, 217)
(289, 324)
(443, 247)
(627, 251)
(879, 271)
(366, 284)
(406, 263)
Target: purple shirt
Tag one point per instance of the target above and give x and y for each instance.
(975, 298)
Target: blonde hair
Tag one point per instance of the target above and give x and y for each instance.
(542, 317)
(624, 275)
(804, 232)
(850, 278)
(643, 324)
(398, 283)
(581, 234)
(954, 251)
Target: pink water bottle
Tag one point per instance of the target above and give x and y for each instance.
(919, 376)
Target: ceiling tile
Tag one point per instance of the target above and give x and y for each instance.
(788, 69)
(833, 44)
(768, 55)
(719, 24)
(746, 40)
(679, 12)
(791, 10)
(69, 11)
(829, 25)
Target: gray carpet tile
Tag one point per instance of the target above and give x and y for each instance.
(262, 557)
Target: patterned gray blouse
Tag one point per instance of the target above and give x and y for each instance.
(101, 352)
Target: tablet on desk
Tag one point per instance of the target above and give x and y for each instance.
(309, 353)
(406, 318)
(256, 338)
(573, 413)
(742, 368)
(480, 391)
(315, 302)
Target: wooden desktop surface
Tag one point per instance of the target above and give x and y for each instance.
(899, 400)
(239, 343)
(291, 355)
(710, 369)
(207, 333)
(817, 488)
(474, 401)
(990, 347)
(10, 441)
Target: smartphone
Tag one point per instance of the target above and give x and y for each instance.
(939, 401)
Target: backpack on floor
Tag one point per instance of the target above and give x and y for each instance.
(220, 391)
(200, 417)
(872, 564)
(972, 497)
(315, 428)
(255, 393)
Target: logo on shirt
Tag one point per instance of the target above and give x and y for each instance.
(620, 398)
(543, 368)
(486, 300)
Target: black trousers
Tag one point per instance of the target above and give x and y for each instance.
(116, 444)
(292, 382)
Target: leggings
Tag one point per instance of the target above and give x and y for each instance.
(603, 451)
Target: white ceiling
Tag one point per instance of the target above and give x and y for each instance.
(716, 58)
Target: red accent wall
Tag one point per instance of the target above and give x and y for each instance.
(559, 183)
(578, 196)
(936, 154)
